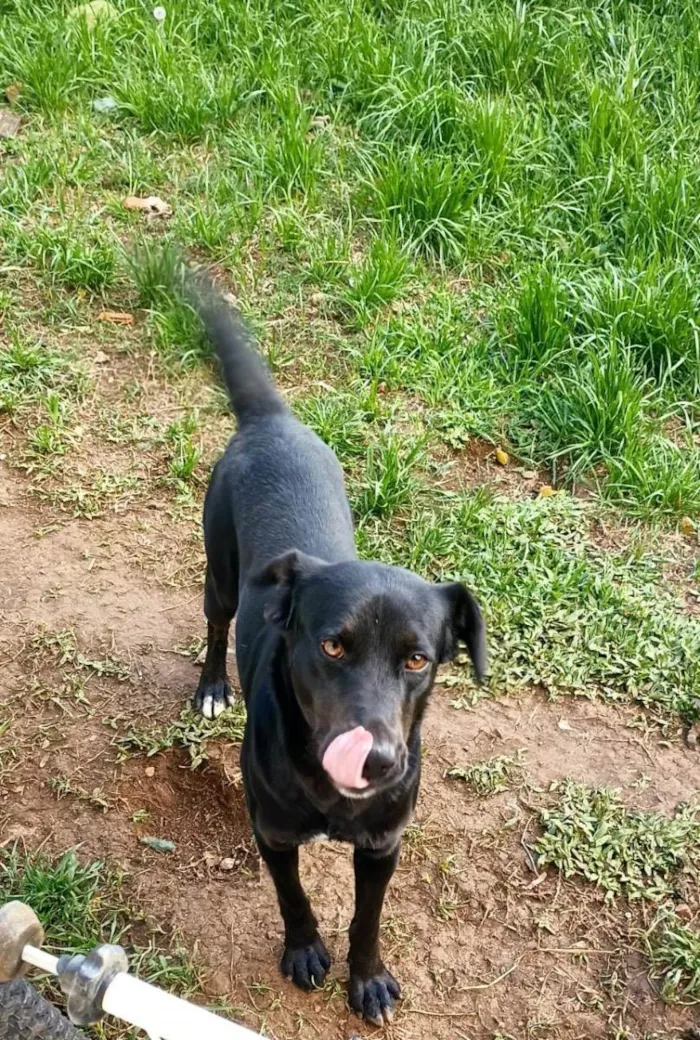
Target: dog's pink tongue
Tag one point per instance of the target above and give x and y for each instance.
(345, 757)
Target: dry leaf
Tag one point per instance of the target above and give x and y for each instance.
(151, 206)
(546, 491)
(116, 317)
(686, 526)
(535, 882)
(502, 457)
(94, 12)
(12, 93)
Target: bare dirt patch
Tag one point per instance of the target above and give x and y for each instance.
(201, 810)
(482, 943)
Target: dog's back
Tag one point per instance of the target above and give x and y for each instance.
(287, 485)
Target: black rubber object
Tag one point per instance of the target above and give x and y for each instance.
(25, 1015)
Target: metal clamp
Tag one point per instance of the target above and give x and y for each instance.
(85, 980)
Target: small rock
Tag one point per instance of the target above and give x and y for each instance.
(692, 737)
(9, 123)
(563, 724)
(684, 912)
(158, 844)
(104, 104)
(227, 864)
(151, 206)
(150, 771)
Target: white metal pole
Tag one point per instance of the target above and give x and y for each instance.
(162, 1015)
(158, 1013)
(39, 959)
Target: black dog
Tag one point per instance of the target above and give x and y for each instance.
(336, 659)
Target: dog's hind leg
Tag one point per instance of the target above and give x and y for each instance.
(305, 959)
(214, 693)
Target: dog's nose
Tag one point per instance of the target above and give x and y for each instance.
(379, 763)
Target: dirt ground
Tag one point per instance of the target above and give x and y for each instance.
(482, 944)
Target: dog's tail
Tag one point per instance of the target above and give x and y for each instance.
(250, 388)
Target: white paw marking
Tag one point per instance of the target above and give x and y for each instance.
(208, 707)
(217, 708)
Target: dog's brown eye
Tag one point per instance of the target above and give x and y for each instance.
(332, 648)
(416, 662)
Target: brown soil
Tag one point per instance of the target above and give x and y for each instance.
(481, 944)
(202, 810)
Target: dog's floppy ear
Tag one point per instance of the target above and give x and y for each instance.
(285, 573)
(466, 625)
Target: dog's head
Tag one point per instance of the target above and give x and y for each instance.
(364, 642)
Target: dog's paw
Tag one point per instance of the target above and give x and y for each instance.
(212, 698)
(374, 997)
(306, 966)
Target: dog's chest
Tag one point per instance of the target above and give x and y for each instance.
(354, 834)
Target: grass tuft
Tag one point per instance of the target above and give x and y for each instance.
(190, 731)
(592, 834)
(673, 949)
(82, 904)
(492, 776)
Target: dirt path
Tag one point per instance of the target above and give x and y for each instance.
(482, 944)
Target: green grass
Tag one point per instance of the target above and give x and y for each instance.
(592, 834)
(562, 614)
(547, 156)
(492, 776)
(184, 453)
(190, 731)
(673, 949)
(83, 903)
(31, 372)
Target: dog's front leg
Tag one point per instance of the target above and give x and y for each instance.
(214, 693)
(373, 990)
(305, 959)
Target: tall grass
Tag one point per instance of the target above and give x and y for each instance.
(546, 155)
